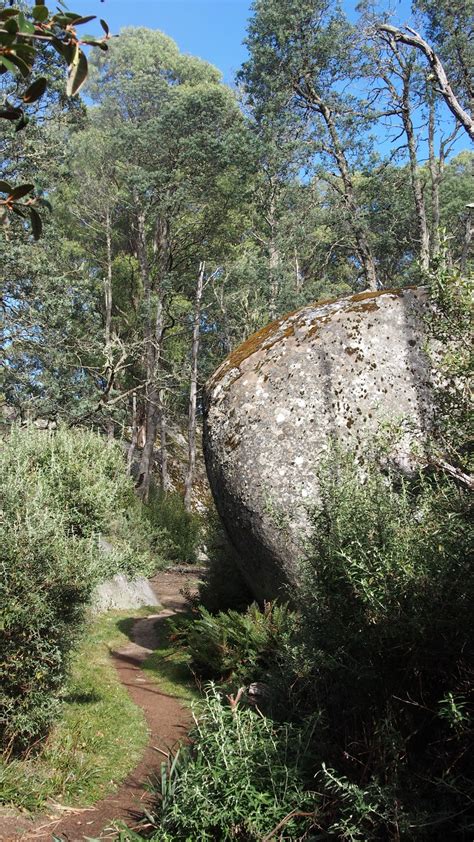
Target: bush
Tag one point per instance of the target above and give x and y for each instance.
(386, 639)
(167, 513)
(70, 518)
(238, 648)
(242, 776)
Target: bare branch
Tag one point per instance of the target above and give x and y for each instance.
(413, 39)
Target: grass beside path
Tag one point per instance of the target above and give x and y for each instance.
(168, 665)
(98, 740)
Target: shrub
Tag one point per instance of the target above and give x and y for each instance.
(167, 513)
(386, 619)
(242, 776)
(69, 519)
(238, 648)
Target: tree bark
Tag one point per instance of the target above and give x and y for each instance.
(154, 330)
(298, 275)
(220, 298)
(466, 247)
(108, 307)
(402, 107)
(413, 39)
(423, 233)
(193, 389)
(163, 426)
(435, 168)
(273, 261)
(134, 439)
(108, 279)
(363, 247)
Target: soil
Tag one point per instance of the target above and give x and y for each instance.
(168, 722)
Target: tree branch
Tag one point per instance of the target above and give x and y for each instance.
(413, 39)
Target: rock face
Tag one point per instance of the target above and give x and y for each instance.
(334, 370)
(122, 593)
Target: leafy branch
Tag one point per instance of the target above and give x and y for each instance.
(21, 36)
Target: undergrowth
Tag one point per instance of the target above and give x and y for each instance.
(167, 514)
(69, 518)
(242, 777)
(97, 741)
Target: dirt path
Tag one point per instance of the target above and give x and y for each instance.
(167, 721)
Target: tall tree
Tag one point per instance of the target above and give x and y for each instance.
(177, 188)
(301, 55)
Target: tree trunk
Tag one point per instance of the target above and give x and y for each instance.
(435, 168)
(273, 262)
(134, 439)
(154, 330)
(163, 425)
(108, 279)
(298, 275)
(363, 246)
(219, 296)
(193, 389)
(413, 39)
(110, 427)
(466, 246)
(423, 233)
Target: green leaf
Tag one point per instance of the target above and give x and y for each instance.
(105, 26)
(13, 63)
(25, 25)
(79, 21)
(77, 73)
(35, 90)
(36, 224)
(26, 52)
(66, 50)
(40, 13)
(11, 26)
(20, 191)
(8, 13)
(5, 187)
(6, 40)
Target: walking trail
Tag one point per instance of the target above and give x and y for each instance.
(167, 719)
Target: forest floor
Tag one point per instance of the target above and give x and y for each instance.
(168, 721)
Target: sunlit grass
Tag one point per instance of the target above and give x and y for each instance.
(169, 664)
(99, 738)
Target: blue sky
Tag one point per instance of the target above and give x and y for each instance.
(211, 29)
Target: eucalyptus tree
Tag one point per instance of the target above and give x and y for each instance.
(181, 163)
(450, 28)
(413, 39)
(302, 58)
(401, 89)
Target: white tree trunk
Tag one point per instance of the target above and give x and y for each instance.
(193, 389)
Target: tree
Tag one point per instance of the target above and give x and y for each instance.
(301, 55)
(176, 195)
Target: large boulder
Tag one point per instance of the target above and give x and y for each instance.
(333, 371)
